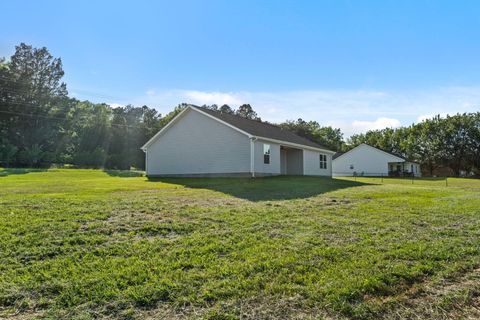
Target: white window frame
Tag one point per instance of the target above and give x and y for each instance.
(267, 153)
(322, 161)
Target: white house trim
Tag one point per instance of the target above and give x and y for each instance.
(252, 156)
(304, 162)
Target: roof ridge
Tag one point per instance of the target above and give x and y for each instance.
(243, 118)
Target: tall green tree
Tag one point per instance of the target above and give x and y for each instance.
(90, 134)
(246, 111)
(31, 92)
(329, 137)
(226, 109)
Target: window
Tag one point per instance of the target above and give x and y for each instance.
(266, 153)
(411, 168)
(323, 161)
(352, 167)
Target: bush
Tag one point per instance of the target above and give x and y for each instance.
(31, 156)
(7, 153)
(94, 159)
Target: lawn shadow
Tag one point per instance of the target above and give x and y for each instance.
(124, 173)
(10, 171)
(263, 189)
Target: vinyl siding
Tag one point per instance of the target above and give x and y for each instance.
(311, 160)
(267, 169)
(197, 144)
(366, 159)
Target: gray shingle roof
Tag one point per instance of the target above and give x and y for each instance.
(261, 129)
(336, 155)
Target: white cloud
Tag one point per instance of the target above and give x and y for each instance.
(115, 105)
(353, 111)
(380, 123)
(219, 98)
(424, 117)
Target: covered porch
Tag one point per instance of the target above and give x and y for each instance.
(291, 161)
(403, 169)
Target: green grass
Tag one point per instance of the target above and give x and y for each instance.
(89, 244)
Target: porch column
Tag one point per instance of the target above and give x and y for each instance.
(252, 156)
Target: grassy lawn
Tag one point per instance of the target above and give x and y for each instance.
(89, 244)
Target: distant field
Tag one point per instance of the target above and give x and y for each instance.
(88, 244)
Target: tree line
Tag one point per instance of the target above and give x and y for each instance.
(41, 125)
(451, 141)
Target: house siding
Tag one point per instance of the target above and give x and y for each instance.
(311, 167)
(266, 169)
(198, 145)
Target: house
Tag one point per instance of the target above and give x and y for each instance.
(201, 142)
(365, 160)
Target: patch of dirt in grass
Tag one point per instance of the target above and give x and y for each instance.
(178, 197)
(205, 201)
(167, 215)
(24, 315)
(336, 201)
(145, 225)
(456, 298)
(246, 309)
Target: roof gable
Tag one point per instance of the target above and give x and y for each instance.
(364, 145)
(165, 128)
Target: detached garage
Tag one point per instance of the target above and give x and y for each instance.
(365, 160)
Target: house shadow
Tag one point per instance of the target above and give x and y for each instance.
(11, 171)
(264, 189)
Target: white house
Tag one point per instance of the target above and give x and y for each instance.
(202, 142)
(366, 160)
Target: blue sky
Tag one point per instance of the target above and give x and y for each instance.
(356, 65)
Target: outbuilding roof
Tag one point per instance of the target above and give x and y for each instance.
(336, 155)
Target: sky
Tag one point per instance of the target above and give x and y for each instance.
(356, 65)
